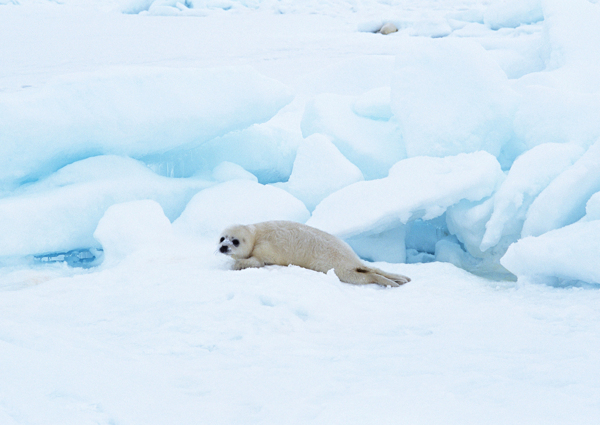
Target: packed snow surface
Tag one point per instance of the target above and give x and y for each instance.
(462, 150)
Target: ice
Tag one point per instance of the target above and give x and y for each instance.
(562, 104)
(319, 170)
(374, 104)
(512, 13)
(592, 208)
(127, 227)
(60, 213)
(548, 114)
(350, 77)
(226, 171)
(559, 257)
(134, 111)
(563, 201)
(449, 96)
(374, 145)
(530, 174)
(237, 202)
(467, 220)
(416, 188)
(264, 150)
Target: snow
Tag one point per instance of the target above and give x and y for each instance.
(566, 254)
(374, 145)
(226, 171)
(461, 150)
(420, 187)
(61, 212)
(512, 13)
(573, 187)
(134, 111)
(237, 202)
(319, 170)
(450, 96)
(592, 208)
(529, 175)
(130, 226)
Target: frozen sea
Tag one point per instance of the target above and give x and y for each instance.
(462, 150)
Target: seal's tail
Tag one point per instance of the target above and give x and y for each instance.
(366, 275)
(397, 278)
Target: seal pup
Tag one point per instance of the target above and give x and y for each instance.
(285, 242)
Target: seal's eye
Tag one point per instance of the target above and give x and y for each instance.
(235, 242)
(222, 239)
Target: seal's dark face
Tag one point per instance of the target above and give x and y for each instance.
(228, 244)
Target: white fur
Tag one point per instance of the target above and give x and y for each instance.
(285, 242)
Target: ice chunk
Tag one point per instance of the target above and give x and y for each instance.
(512, 13)
(373, 145)
(319, 170)
(229, 171)
(562, 104)
(134, 111)
(565, 255)
(130, 226)
(60, 213)
(237, 202)
(352, 76)
(466, 220)
(548, 114)
(375, 104)
(420, 187)
(563, 201)
(266, 151)
(450, 96)
(388, 246)
(531, 173)
(592, 208)
(574, 42)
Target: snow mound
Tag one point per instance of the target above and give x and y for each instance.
(319, 170)
(134, 111)
(226, 171)
(60, 213)
(237, 202)
(374, 145)
(563, 201)
(592, 208)
(374, 104)
(127, 227)
(512, 13)
(562, 104)
(449, 96)
(351, 77)
(531, 173)
(561, 256)
(264, 150)
(420, 187)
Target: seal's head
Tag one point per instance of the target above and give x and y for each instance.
(237, 241)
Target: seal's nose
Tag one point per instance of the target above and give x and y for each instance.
(223, 249)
